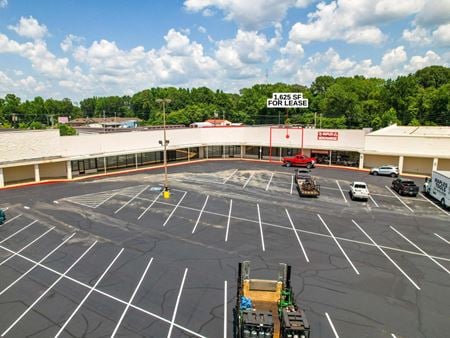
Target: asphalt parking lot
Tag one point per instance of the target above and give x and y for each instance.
(111, 257)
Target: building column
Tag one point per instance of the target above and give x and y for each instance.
(37, 177)
(135, 160)
(2, 178)
(242, 151)
(329, 158)
(435, 163)
(69, 170)
(188, 155)
(104, 165)
(361, 161)
(400, 164)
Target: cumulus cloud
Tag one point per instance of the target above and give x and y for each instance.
(3, 3)
(353, 21)
(254, 14)
(69, 41)
(30, 28)
(434, 12)
(417, 62)
(442, 35)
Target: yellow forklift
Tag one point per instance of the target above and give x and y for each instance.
(267, 308)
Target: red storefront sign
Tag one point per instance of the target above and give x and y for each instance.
(328, 135)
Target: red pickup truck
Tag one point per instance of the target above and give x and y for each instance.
(300, 161)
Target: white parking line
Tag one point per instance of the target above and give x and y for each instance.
(260, 228)
(343, 195)
(131, 200)
(226, 180)
(46, 291)
(26, 246)
(18, 231)
(292, 183)
(268, 183)
(88, 294)
(442, 238)
(228, 222)
(422, 251)
(304, 231)
(131, 299)
(148, 208)
(10, 220)
(371, 198)
(107, 199)
(104, 293)
(200, 215)
(225, 310)
(169, 334)
(399, 199)
(35, 265)
(296, 235)
(178, 204)
(332, 326)
(338, 244)
(387, 256)
(437, 207)
(248, 180)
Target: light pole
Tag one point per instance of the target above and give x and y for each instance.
(163, 102)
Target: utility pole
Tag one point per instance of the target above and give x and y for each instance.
(165, 142)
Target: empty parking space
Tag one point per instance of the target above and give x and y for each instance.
(121, 260)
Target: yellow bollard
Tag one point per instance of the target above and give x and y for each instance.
(166, 194)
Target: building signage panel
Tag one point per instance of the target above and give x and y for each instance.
(328, 135)
(287, 100)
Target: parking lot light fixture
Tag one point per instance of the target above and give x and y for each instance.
(163, 102)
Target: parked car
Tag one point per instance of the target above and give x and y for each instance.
(405, 187)
(386, 170)
(359, 190)
(300, 160)
(438, 187)
(2, 216)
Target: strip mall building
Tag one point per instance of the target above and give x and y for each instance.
(34, 156)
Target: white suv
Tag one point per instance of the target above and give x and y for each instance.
(359, 190)
(387, 170)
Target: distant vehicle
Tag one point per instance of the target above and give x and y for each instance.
(438, 187)
(300, 161)
(405, 187)
(386, 170)
(306, 184)
(359, 190)
(2, 216)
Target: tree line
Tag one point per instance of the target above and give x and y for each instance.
(422, 98)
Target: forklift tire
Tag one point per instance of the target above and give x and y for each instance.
(288, 164)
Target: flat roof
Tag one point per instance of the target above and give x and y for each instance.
(430, 131)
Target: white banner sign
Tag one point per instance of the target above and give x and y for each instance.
(287, 100)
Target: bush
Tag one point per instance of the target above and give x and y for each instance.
(65, 130)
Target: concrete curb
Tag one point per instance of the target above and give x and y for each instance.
(128, 171)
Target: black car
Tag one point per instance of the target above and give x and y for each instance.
(405, 187)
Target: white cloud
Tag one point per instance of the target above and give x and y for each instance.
(442, 35)
(30, 28)
(419, 35)
(208, 12)
(336, 21)
(248, 14)
(241, 56)
(434, 12)
(418, 62)
(393, 63)
(353, 21)
(24, 87)
(68, 43)
(393, 58)
(201, 29)
(3, 3)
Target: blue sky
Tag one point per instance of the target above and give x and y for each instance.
(78, 49)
